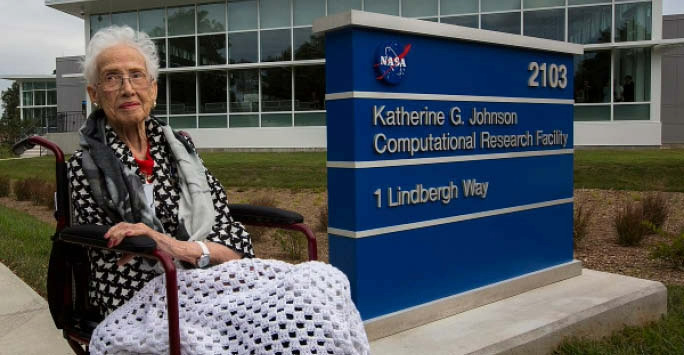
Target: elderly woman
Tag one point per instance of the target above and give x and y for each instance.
(137, 175)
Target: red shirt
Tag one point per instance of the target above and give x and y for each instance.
(146, 165)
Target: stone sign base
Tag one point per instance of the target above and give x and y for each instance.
(591, 305)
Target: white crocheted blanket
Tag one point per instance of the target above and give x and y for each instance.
(248, 306)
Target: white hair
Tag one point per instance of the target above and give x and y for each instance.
(116, 35)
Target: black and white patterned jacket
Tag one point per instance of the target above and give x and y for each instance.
(112, 285)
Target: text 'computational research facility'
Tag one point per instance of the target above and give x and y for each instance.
(250, 74)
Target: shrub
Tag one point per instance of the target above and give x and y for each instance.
(35, 190)
(630, 226)
(4, 186)
(291, 243)
(323, 219)
(672, 251)
(655, 208)
(258, 233)
(581, 223)
(22, 190)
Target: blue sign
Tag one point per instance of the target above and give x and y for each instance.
(450, 163)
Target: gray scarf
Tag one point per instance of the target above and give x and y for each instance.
(118, 190)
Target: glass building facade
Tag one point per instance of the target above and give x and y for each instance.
(255, 63)
(38, 102)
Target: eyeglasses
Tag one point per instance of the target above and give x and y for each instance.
(113, 82)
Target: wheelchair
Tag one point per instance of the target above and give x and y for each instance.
(68, 267)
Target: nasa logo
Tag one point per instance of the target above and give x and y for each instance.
(390, 62)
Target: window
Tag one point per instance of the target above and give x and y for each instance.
(589, 24)
(275, 45)
(499, 5)
(274, 13)
(213, 121)
(337, 6)
(28, 97)
(152, 22)
(181, 52)
(309, 119)
(503, 22)
(454, 7)
(419, 8)
(276, 120)
(212, 49)
(244, 91)
(129, 19)
(592, 77)
(306, 11)
(309, 88)
(161, 51)
(211, 18)
(237, 121)
(308, 46)
(633, 22)
(181, 20)
(160, 109)
(182, 93)
(276, 90)
(530, 4)
(467, 21)
(212, 91)
(179, 122)
(549, 24)
(632, 75)
(98, 22)
(52, 97)
(242, 47)
(242, 15)
(389, 7)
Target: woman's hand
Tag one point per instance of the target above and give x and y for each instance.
(117, 233)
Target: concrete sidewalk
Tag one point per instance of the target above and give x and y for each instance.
(26, 326)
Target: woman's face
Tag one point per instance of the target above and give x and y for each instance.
(126, 101)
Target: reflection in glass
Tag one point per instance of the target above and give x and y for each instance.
(244, 91)
(467, 21)
(632, 75)
(181, 52)
(506, 22)
(211, 18)
(389, 7)
(27, 86)
(583, 2)
(309, 119)
(455, 7)
(242, 15)
(237, 121)
(39, 97)
(179, 122)
(28, 98)
(276, 89)
(181, 20)
(160, 109)
(161, 51)
(418, 8)
(212, 49)
(129, 19)
(276, 120)
(51, 84)
(98, 22)
(632, 112)
(305, 11)
(530, 4)
(592, 113)
(275, 45)
(592, 77)
(309, 88)
(589, 24)
(39, 85)
(633, 22)
(213, 121)
(337, 6)
(549, 24)
(152, 22)
(182, 93)
(52, 97)
(212, 91)
(242, 47)
(308, 46)
(274, 13)
(499, 5)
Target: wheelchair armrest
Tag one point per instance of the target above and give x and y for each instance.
(93, 235)
(260, 215)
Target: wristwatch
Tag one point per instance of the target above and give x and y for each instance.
(203, 260)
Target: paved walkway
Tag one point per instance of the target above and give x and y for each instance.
(26, 326)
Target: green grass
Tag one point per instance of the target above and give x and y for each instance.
(659, 338)
(638, 170)
(295, 171)
(25, 247)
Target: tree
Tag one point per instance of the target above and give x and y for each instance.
(10, 102)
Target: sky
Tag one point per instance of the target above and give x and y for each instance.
(33, 35)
